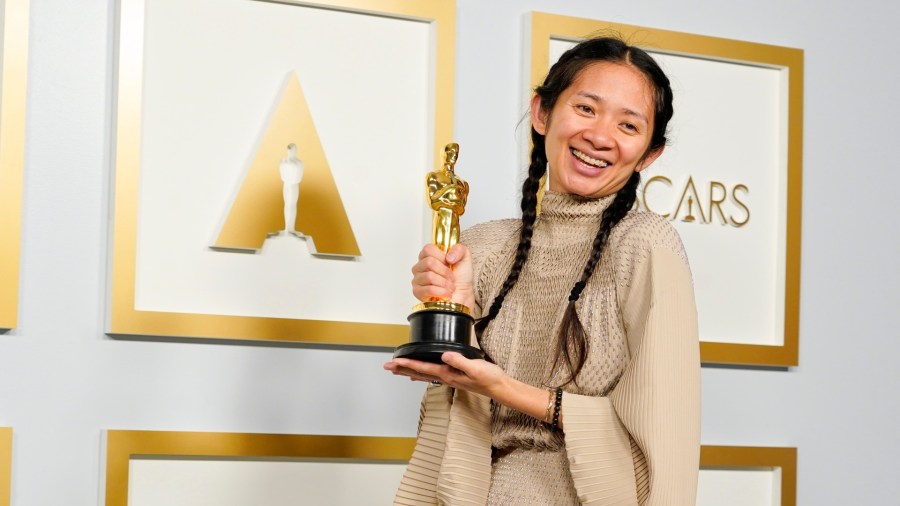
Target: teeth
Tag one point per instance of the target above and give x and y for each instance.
(586, 159)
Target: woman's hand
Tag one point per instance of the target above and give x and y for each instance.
(447, 276)
(480, 377)
(457, 371)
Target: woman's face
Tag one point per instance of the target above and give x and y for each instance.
(598, 130)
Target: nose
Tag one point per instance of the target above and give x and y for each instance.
(600, 134)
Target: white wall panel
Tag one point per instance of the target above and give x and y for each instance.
(746, 487)
(236, 483)
(366, 79)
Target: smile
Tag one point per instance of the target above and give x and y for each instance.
(588, 160)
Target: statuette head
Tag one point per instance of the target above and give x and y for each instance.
(451, 152)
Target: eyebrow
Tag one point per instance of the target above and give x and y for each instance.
(597, 98)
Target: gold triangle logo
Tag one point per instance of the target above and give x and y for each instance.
(258, 209)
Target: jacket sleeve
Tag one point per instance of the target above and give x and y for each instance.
(647, 432)
(418, 487)
(658, 396)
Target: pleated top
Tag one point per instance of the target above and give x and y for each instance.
(632, 418)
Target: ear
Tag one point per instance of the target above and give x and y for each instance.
(650, 158)
(538, 116)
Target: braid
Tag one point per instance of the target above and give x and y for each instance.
(572, 343)
(529, 214)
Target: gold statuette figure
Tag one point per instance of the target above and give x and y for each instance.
(438, 325)
(447, 194)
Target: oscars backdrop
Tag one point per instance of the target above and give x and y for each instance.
(267, 189)
(730, 180)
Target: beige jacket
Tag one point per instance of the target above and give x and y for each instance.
(638, 446)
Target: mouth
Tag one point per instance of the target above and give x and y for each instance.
(594, 162)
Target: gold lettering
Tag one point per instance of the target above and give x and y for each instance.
(740, 203)
(690, 186)
(715, 204)
(650, 181)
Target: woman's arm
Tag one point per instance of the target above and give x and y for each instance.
(451, 276)
(646, 434)
(480, 377)
(658, 396)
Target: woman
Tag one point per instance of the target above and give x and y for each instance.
(591, 393)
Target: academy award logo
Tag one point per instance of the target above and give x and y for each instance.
(288, 188)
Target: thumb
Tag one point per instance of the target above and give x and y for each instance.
(456, 253)
(455, 360)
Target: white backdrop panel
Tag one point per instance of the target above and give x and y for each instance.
(260, 483)
(745, 487)
(212, 73)
(728, 128)
(172, 482)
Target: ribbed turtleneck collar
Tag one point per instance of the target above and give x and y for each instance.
(573, 208)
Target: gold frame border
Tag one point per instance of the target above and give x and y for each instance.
(6, 442)
(730, 457)
(12, 154)
(122, 445)
(123, 318)
(546, 26)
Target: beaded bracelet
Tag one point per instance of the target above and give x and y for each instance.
(557, 406)
(550, 402)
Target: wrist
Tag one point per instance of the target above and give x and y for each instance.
(503, 390)
(465, 297)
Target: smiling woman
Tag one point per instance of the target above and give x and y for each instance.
(600, 131)
(591, 389)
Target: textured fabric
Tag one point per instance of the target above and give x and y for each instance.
(522, 338)
(527, 476)
(632, 419)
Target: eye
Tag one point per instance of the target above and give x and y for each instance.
(631, 127)
(584, 109)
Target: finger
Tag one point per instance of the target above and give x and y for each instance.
(413, 375)
(399, 370)
(430, 282)
(410, 363)
(456, 361)
(430, 250)
(423, 369)
(456, 253)
(432, 264)
(425, 278)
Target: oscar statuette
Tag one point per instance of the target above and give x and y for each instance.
(440, 325)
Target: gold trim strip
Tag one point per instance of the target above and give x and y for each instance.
(756, 457)
(123, 318)
(442, 305)
(12, 153)
(551, 26)
(123, 445)
(6, 442)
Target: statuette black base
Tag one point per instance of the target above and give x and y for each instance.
(431, 352)
(434, 331)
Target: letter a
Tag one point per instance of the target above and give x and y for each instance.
(258, 210)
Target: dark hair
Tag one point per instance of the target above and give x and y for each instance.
(572, 344)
